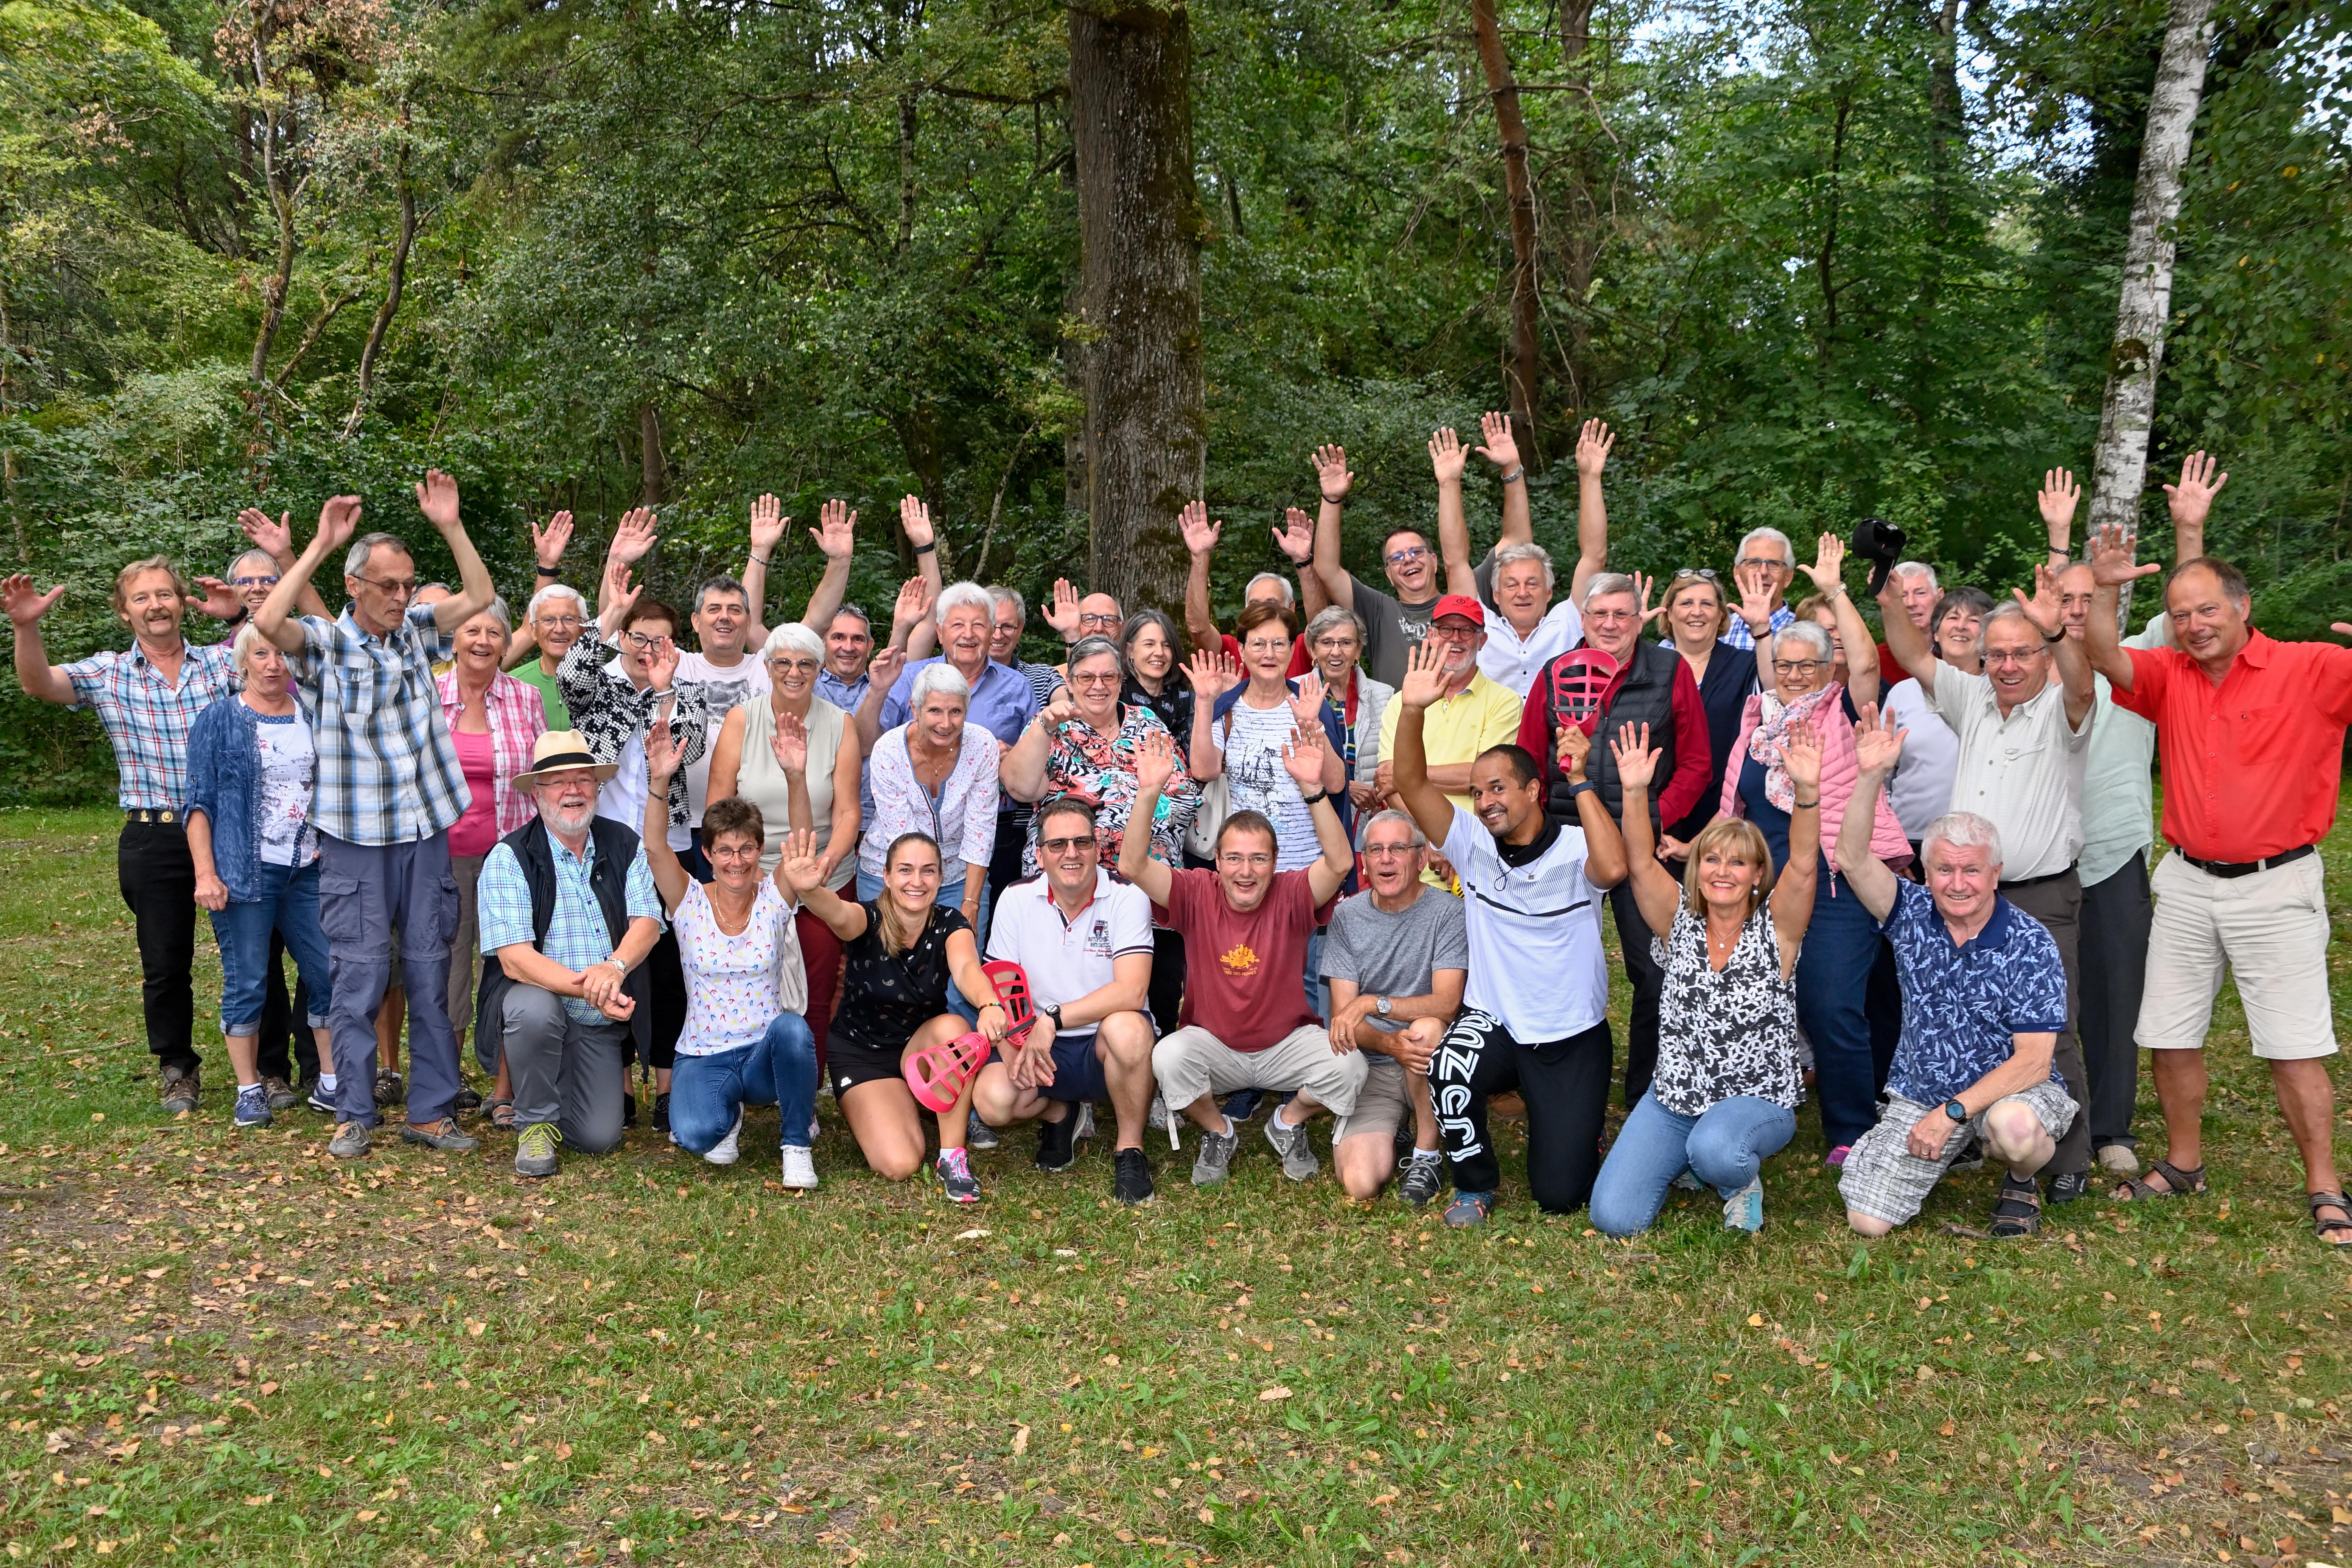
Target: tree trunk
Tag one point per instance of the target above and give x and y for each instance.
(1947, 133)
(2119, 463)
(652, 469)
(1579, 222)
(1519, 189)
(1139, 225)
(393, 283)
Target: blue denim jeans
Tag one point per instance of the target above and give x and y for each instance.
(288, 904)
(1724, 1147)
(951, 898)
(706, 1093)
(1842, 944)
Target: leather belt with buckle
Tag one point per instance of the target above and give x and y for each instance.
(150, 814)
(2232, 869)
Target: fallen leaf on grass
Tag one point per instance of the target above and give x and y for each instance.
(974, 1234)
(264, 1500)
(1269, 1395)
(1020, 1440)
(367, 1516)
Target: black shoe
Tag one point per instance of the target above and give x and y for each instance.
(1130, 1176)
(2067, 1189)
(1058, 1144)
(469, 1100)
(389, 1088)
(661, 1113)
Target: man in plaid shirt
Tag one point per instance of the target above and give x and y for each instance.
(146, 697)
(388, 788)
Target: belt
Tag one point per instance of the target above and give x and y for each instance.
(2037, 881)
(151, 814)
(2228, 868)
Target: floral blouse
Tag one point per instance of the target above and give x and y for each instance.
(1100, 770)
(1725, 1034)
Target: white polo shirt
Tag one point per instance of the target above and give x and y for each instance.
(1509, 659)
(1535, 934)
(2023, 774)
(1068, 959)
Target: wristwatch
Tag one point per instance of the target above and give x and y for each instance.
(1381, 1005)
(2050, 639)
(1054, 1013)
(1956, 1110)
(1580, 786)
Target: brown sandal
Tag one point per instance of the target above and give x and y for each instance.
(2177, 1183)
(2327, 1229)
(502, 1114)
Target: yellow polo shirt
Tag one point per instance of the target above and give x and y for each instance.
(1454, 729)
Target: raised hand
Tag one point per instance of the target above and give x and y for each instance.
(1570, 750)
(768, 524)
(633, 536)
(1828, 568)
(1302, 757)
(1641, 587)
(1637, 764)
(1448, 456)
(1332, 475)
(220, 601)
(882, 668)
(1200, 535)
(2111, 557)
(2192, 499)
(24, 605)
(617, 593)
(662, 663)
(661, 752)
(1295, 537)
(1306, 707)
(1424, 675)
(1063, 614)
(2043, 609)
(789, 742)
(914, 604)
(1754, 606)
(1877, 745)
(2057, 499)
(276, 538)
(836, 530)
(1593, 444)
(1501, 448)
(436, 498)
(1155, 762)
(1801, 758)
(1211, 675)
(802, 865)
(339, 518)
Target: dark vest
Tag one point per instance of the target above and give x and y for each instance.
(1645, 696)
(616, 851)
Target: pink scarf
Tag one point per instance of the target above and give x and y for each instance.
(1765, 741)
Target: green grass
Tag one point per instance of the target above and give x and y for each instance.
(225, 1348)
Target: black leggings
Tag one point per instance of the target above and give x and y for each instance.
(1565, 1084)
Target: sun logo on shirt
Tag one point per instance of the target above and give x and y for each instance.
(1239, 960)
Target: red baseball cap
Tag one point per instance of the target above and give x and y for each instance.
(1462, 604)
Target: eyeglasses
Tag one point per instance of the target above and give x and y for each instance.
(1797, 666)
(1386, 851)
(1108, 677)
(2012, 655)
(1412, 553)
(1261, 647)
(1774, 562)
(562, 623)
(1344, 642)
(803, 664)
(253, 582)
(736, 852)
(1064, 845)
(641, 642)
(398, 587)
(1238, 861)
(1097, 619)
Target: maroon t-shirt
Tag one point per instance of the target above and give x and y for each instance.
(1245, 973)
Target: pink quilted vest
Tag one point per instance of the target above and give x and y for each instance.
(1839, 770)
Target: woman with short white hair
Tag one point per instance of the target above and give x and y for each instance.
(935, 774)
(553, 620)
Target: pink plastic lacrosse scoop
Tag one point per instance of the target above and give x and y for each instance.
(1580, 680)
(936, 1074)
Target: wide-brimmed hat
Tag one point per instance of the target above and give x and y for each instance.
(559, 751)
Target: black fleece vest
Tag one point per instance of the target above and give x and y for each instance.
(616, 851)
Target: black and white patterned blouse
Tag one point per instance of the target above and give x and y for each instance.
(1722, 1035)
(609, 713)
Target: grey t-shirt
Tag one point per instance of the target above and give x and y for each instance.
(1396, 955)
(1392, 630)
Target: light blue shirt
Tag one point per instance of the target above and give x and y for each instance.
(1002, 700)
(577, 936)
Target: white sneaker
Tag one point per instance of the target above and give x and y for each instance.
(1086, 1128)
(800, 1168)
(726, 1152)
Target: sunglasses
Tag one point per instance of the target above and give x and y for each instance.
(1064, 845)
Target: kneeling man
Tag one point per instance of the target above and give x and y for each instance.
(1085, 942)
(568, 909)
(1245, 1023)
(1984, 995)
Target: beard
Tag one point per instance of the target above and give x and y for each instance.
(572, 819)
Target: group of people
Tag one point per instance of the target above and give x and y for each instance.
(1348, 858)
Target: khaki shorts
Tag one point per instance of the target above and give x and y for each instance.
(2269, 929)
(1383, 1105)
(1192, 1062)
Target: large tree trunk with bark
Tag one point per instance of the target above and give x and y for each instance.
(1579, 221)
(1139, 223)
(652, 468)
(1519, 192)
(2119, 463)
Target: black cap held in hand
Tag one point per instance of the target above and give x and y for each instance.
(1875, 539)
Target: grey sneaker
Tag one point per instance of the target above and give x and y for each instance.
(182, 1088)
(1216, 1157)
(1296, 1147)
(1687, 1183)
(2118, 1159)
(252, 1106)
(442, 1135)
(979, 1134)
(1086, 1126)
(1423, 1180)
(350, 1141)
(535, 1150)
(281, 1094)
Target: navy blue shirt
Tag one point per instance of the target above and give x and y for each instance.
(1963, 1005)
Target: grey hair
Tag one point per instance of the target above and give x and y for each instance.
(2008, 609)
(1788, 550)
(1606, 583)
(1420, 839)
(1331, 616)
(1277, 579)
(943, 678)
(963, 596)
(798, 638)
(855, 612)
(1963, 830)
(1810, 633)
(1916, 569)
(1526, 550)
(496, 610)
(998, 596)
(1094, 644)
(248, 638)
(355, 559)
(721, 584)
(242, 556)
(554, 591)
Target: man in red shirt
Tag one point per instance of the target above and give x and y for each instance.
(1654, 687)
(1245, 1023)
(2251, 735)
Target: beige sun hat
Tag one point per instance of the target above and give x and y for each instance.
(559, 751)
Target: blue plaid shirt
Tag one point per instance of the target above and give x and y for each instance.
(388, 772)
(1963, 1005)
(147, 718)
(577, 936)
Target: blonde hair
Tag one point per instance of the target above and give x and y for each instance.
(146, 563)
(248, 638)
(1740, 833)
(898, 933)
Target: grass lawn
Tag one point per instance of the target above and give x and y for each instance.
(225, 1348)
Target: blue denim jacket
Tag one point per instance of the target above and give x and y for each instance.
(224, 784)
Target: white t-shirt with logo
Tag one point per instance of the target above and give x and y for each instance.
(1068, 959)
(289, 759)
(1535, 961)
(729, 689)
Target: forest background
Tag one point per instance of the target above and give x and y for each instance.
(1814, 259)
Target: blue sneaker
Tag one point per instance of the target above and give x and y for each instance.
(1242, 1104)
(252, 1105)
(1744, 1210)
(1469, 1208)
(321, 1100)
